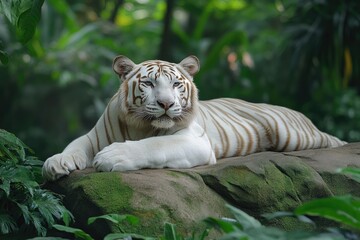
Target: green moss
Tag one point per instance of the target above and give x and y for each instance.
(341, 184)
(106, 190)
(151, 222)
(272, 189)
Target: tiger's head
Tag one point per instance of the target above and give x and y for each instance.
(158, 93)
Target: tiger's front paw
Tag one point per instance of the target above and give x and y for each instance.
(62, 164)
(116, 157)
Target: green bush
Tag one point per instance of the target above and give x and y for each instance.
(25, 208)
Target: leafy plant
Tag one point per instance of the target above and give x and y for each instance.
(24, 206)
(170, 232)
(342, 209)
(353, 173)
(116, 219)
(246, 227)
(243, 227)
(24, 15)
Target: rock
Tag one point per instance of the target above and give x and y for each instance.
(259, 183)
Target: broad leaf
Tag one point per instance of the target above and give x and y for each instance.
(221, 224)
(115, 236)
(80, 234)
(245, 220)
(354, 173)
(238, 235)
(170, 232)
(5, 186)
(115, 218)
(10, 144)
(343, 209)
(27, 21)
(280, 214)
(7, 224)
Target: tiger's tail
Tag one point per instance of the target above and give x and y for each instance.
(332, 141)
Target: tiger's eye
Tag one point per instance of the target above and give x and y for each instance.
(176, 84)
(148, 83)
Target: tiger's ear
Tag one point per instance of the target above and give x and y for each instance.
(122, 66)
(191, 64)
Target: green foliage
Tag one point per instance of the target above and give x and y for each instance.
(292, 53)
(115, 219)
(242, 226)
(353, 173)
(343, 209)
(24, 206)
(248, 228)
(170, 232)
(24, 15)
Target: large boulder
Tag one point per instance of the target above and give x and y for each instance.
(259, 183)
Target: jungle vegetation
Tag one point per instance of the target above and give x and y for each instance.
(56, 80)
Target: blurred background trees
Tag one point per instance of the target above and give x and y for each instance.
(302, 54)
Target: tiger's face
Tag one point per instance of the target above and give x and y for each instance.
(158, 93)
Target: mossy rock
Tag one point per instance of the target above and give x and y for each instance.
(259, 183)
(154, 196)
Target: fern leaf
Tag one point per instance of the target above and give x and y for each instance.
(7, 224)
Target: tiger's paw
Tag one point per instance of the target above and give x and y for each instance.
(62, 164)
(116, 157)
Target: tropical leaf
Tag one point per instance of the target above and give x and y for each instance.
(67, 217)
(5, 186)
(19, 189)
(24, 14)
(245, 220)
(11, 9)
(78, 233)
(7, 224)
(343, 209)
(116, 218)
(25, 212)
(27, 21)
(354, 173)
(221, 224)
(9, 143)
(37, 222)
(115, 236)
(170, 232)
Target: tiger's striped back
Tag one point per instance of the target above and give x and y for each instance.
(236, 127)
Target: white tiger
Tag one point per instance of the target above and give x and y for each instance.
(156, 121)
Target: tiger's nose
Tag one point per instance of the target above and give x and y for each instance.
(165, 105)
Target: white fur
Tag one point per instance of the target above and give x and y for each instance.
(160, 140)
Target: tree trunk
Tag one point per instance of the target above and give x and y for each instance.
(114, 12)
(165, 45)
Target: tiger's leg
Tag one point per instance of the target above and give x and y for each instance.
(80, 153)
(77, 155)
(187, 148)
